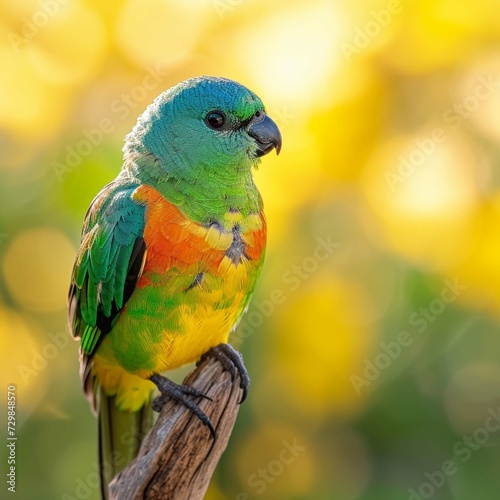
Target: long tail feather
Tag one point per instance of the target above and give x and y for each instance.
(120, 436)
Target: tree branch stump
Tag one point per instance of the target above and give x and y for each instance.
(178, 456)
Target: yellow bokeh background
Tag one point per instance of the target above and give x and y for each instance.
(383, 217)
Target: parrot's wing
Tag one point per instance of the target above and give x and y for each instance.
(108, 265)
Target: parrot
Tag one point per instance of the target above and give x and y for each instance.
(169, 257)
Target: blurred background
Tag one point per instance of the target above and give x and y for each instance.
(373, 338)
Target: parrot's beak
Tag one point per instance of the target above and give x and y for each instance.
(266, 134)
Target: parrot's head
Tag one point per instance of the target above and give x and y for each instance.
(204, 126)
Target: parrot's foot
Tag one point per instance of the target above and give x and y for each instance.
(231, 360)
(183, 394)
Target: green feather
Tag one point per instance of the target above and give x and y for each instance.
(90, 337)
(101, 274)
(120, 435)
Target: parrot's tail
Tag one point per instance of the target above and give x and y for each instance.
(120, 436)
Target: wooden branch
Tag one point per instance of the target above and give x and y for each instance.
(178, 457)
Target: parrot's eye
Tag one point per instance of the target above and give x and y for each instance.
(215, 119)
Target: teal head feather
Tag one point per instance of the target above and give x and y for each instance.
(204, 135)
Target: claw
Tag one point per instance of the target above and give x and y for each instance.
(182, 394)
(231, 360)
(224, 360)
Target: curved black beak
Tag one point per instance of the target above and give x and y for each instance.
(266, 134)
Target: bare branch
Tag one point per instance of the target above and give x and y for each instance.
(178, 457)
